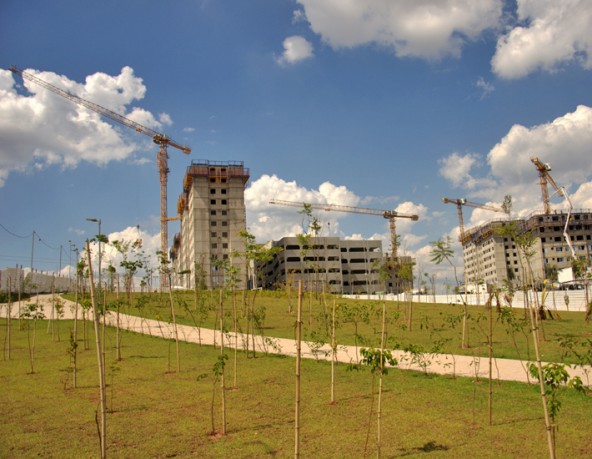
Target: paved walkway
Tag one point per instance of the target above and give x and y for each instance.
(444, 364)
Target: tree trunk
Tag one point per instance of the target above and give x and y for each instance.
(174, 326)
(222, 383)
(8, 313)
(381, 369)
(75, 337)
(333, 352)
(490, 401)
(298, 356)
(101, 363)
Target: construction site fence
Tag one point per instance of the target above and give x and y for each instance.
(560, 300)
(33, 282)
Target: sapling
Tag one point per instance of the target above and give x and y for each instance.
(554, 378)
(442, 252)
(58, 308)
(333, 348)
(8, 314)
(580, 350)
(378, 361)
(72, 353)
(100, 359)
(75, 330)
(358, 313)
(167, 273)
(223, 358)
(114, 368)
(298, 369)
(525, 242)
(32, 312)
(513, 325)
(217, 372)
(254, 255)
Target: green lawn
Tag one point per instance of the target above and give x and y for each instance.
(159, 413)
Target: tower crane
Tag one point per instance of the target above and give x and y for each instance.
(158, 138)
(463, 202)
(391, 215)
(545, 178)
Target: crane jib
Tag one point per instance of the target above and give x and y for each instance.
(157, 137)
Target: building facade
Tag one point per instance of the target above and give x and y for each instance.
(492, 258)
(327, 264)
(213, 214)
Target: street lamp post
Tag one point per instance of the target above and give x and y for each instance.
(98, 220)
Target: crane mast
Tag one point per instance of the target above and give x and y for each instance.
(463, 202)
(391, 215)
(158, 138)
(545, 178)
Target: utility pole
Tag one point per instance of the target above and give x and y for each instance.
(32, 250)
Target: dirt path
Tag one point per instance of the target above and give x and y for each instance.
(444, 364)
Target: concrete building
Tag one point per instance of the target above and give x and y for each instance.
(328, 264)
(492, 258)
(212, 210)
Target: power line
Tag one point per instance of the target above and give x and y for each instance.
(13, 234)
(45, 243)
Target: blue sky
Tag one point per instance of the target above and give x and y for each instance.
(383, 104)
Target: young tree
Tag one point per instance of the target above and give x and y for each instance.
(8, 322)
(74, 334)
(525, 244)
(581, 271)
(405, 273)
(254, 255)
(554, 377)
(32, 312)
(378, 361)
(166, 271)
(298, 368)
(100, 359)
(132, 261)
(442, 252)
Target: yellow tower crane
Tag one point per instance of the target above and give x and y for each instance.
(391, 215)
(158, 138)
(463, 202)
(544, 179)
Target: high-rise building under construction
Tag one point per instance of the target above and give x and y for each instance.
(213, 214)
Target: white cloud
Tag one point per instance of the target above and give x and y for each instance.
(429, 29)
(582, 198)
(40, 128)
(165, 119)
(485, 87)
(142, 161)
(564, 143)
(150, 245)
(456, 168)
(296, 49)
(549, 34)
(271, 221)
(408, 208)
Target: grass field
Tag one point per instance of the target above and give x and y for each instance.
(159, 413)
